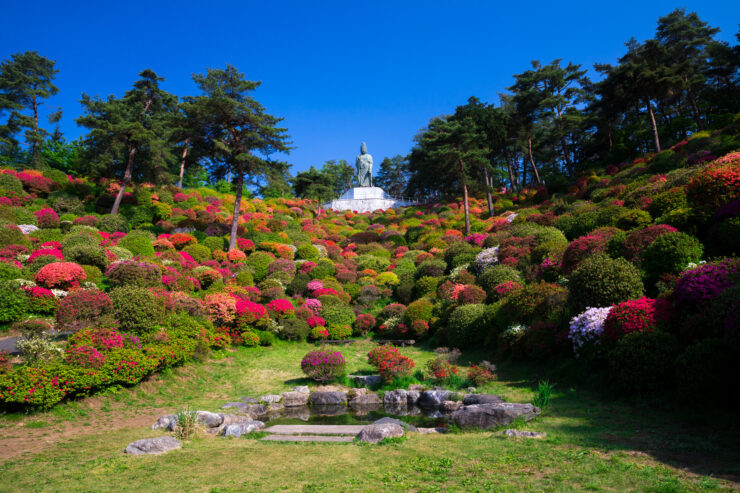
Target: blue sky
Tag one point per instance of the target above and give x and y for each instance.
(339, 73)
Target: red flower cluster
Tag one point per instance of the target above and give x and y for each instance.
(47, 218)
(633, 316)
(61, 275)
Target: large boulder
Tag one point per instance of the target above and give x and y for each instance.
(394, 421)
(395, 398)
(327, 399)
(295, 399)
(238, 429)
(377, 432)
(448, 407)
(432, 399)
(485, 416)
(412, 397)
(208, 419)
(470, 399)
(147, 446)
(242, 406)
(271, 398)
(365, 400)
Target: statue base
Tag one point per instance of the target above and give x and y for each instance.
(365, 199)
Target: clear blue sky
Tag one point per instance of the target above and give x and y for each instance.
(337, 72)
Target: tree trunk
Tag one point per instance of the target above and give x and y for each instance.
(182, 162)
(512, 178)
(568, 162)
(237, 206)
(694, 107)
(531, 160)
(489, 197)
(609, 133)
(126, 180)
(466, 206)
(655, 126)
(36, 130)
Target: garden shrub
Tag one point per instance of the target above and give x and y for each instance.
(111, 223)
(137, 310)
(336, 313)
(534, 302)
(630, 316)
(131, 272)
(643, 362)
(9, 271)
(214, 243)
(494, 276)
(138, 243)
(295, 329)
(380, 353)
(86, 253)
(307, 251)
(323, 365)
(13, 302)
(83, 308)
(430, 268)
(670, 253)
(395, 368)
(427, 285)
(258, 262)
(364, 323)
(633, 219)
(60, 275)
(11, 235)
(11, 183)
(704, 369)
(602, 281)
(418, 310)
(636, 241)
(467, 325)
(337, 332)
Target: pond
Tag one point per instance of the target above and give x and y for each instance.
(344, 415)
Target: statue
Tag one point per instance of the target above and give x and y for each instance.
(364, 165)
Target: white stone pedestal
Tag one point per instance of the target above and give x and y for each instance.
(365, 199)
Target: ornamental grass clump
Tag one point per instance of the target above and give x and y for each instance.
(323, 365)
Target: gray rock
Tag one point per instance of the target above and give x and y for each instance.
(301, 388)
(523, 434)
(431, 431)
(271, 399)
(366, 380)
(449, 406)
(275, 408)
(295, 399)
(147, 446)
(398, 397)
(377, 432)
(417, 387)
(369, 399)
(412, 397)
(431, 399)
(470, 399)
(257, 410)
(208, 419)
(242, 406)
(386, 420)
(486, 416)
(250, 400)
(327, 398)
(166, 422)
(238, 429)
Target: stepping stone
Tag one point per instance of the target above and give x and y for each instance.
(307, 438)
(315, 429)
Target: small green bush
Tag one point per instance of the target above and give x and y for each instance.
(13, 236)
(601, 281)
(643, 362)
(13, 302)
(10, 182)
(110, 223)
(467, 325)
(139, 244)
(671, 253)
(214, 243)
(200, 253)
(259, 261)
(307, 252)
(136, 309)
(86, 253)
(337, 313)
(295, 329)
(495, 275)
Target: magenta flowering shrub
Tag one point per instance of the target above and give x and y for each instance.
(313, 304)
(47, 218)
(705, 282)
(323, 365)
(282, 308)
(51, 252)
(85, 357)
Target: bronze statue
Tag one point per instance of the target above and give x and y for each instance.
(364, 165)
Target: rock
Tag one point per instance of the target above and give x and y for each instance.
(523, 434)
(271, 399)
(472, 390)
(166, 422)
(449, 406)
(434, 413)
(250, 400)
(377, 432)
(158, 445)
(431, 399)
(431, 431)
(242, 406)
(470, 399)
(301, 388)
(412, 397)
(208, 419)
(238, 429)
(386, 420)
(365, 400)
(396, 397)
(295, 399)
(416, 387)
(257, 410)
(327, 398)
(486, 416)
(366, 380)
(275, 407)
(352, 393)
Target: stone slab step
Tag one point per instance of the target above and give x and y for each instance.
(307, 438)
(351, 430)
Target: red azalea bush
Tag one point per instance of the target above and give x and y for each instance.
(250, 313)
(480, 375)
(323, 365)
(61, 275)
(181, 240)
(442, 370)
(221, 308)
(86, 221)
(282, 308)
(47, 218)
(640, 239)
(85, 357)
(715, 185)
(381, 353)
(583, 247)
(83, 308)
(41, 300)
(638, 315)
(315, 321)
(51, 252)
(396, 367)
(364, 323)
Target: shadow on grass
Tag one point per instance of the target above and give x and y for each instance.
(700, 437)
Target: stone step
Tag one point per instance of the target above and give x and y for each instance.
(307, 438)
(350, 430)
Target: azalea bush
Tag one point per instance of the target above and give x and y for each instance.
(323, 365)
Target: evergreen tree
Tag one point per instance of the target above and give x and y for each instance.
(26, 81)
(393, 175)
(236, 131)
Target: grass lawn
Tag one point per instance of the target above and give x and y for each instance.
(594, 443)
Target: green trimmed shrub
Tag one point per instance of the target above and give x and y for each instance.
(467, 325)
(136, 309)
(200, 253)
(295, 329)
(10, 182)
(13, 236)
(430, 268)
(244, 278)
(258, 261)
(427, 285)
(214, 243)
(110, 223)
(13, 302)
(601, 281)
(377, 264)
(458, 248)
(495, 275)
(643, 362)
(670, 253)
(9, 272)
(336, 313)
(86, 253)
(138, 243)
(324, 269)
(307, 251)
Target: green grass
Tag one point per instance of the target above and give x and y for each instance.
(594, 443)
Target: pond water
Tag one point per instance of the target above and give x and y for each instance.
(343, 415)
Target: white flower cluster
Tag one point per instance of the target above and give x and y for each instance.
(456, 271)
(25, 283)
(514, 332)
(321, 248)
(587, 327)
(693, 265)
(486, 258)
(27, 228)
(59, 293)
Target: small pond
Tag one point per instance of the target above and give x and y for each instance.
(344, 415)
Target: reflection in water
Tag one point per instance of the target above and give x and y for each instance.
(336, 415)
